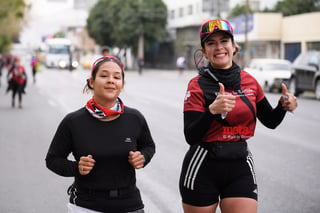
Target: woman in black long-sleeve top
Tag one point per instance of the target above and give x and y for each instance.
(108, 141)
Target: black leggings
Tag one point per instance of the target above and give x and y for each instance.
(17, 88)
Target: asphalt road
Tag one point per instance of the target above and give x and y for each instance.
(286, 159)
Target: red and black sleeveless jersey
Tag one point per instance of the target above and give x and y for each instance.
(202, 91)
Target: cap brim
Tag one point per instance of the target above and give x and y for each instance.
(215, 31)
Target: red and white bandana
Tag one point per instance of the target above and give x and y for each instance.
(100, 112)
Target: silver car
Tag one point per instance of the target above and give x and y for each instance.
(270, 73)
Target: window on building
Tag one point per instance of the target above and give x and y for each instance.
(198, 8)
(190, 9)
(206, 5)
(313, 45)
(172, 14)
(258, 50)
(181, 12)
(215, 7)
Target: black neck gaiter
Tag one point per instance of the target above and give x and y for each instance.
(230, 78)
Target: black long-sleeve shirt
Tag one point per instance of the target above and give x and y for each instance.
(109, 143)
(202, 126)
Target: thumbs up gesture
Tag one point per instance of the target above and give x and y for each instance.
(221, 91)
(223, 103)
(288, 101)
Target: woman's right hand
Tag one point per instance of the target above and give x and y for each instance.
(223, 103)
(86, 164)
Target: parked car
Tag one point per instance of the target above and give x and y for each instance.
(306, 74)
(270, 73)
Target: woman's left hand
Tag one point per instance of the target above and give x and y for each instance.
(288, 101)
(136, 159)
(86, 164)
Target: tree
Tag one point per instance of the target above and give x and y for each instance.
(11, 20)
(293, 7)
(239, 10)
(99, 22)
(120, 23)
(154, 19)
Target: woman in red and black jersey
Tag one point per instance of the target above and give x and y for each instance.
(220, 110)
(17, 79)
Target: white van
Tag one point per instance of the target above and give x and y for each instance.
(58, 54)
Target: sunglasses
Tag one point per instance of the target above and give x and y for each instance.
(107, 58)
(216, 24)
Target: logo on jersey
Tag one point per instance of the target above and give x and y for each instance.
(187, 96)
(128, 140)
(232, 132)
(245, 92)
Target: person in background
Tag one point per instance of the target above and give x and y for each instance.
(220, 110)
(108, 141)
(2, 63)
(105, 51)
(34, 64)
(140, 64)
(17, 80)
(9, 62)
(181, 64)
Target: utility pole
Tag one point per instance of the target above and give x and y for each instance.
(246, 42)
(141, 40)
(219, 9)
(216, 5)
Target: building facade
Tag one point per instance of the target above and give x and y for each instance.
(273, 36)
(184, 20)
(270, 35)
(300, 33)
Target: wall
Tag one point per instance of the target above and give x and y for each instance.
(301, 29)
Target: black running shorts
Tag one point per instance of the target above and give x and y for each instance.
(205, 179)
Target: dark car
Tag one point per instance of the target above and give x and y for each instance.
(306, 74)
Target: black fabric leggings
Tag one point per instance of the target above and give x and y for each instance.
(17, 88)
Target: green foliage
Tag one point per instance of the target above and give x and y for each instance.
(11, 20)
(120, 23)
(127, 26)
(154, 14)
(239, 10)
(99, 22)
(293, 7)
(5, 43)
(286, 7)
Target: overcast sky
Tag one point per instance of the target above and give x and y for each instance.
(48, 17)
